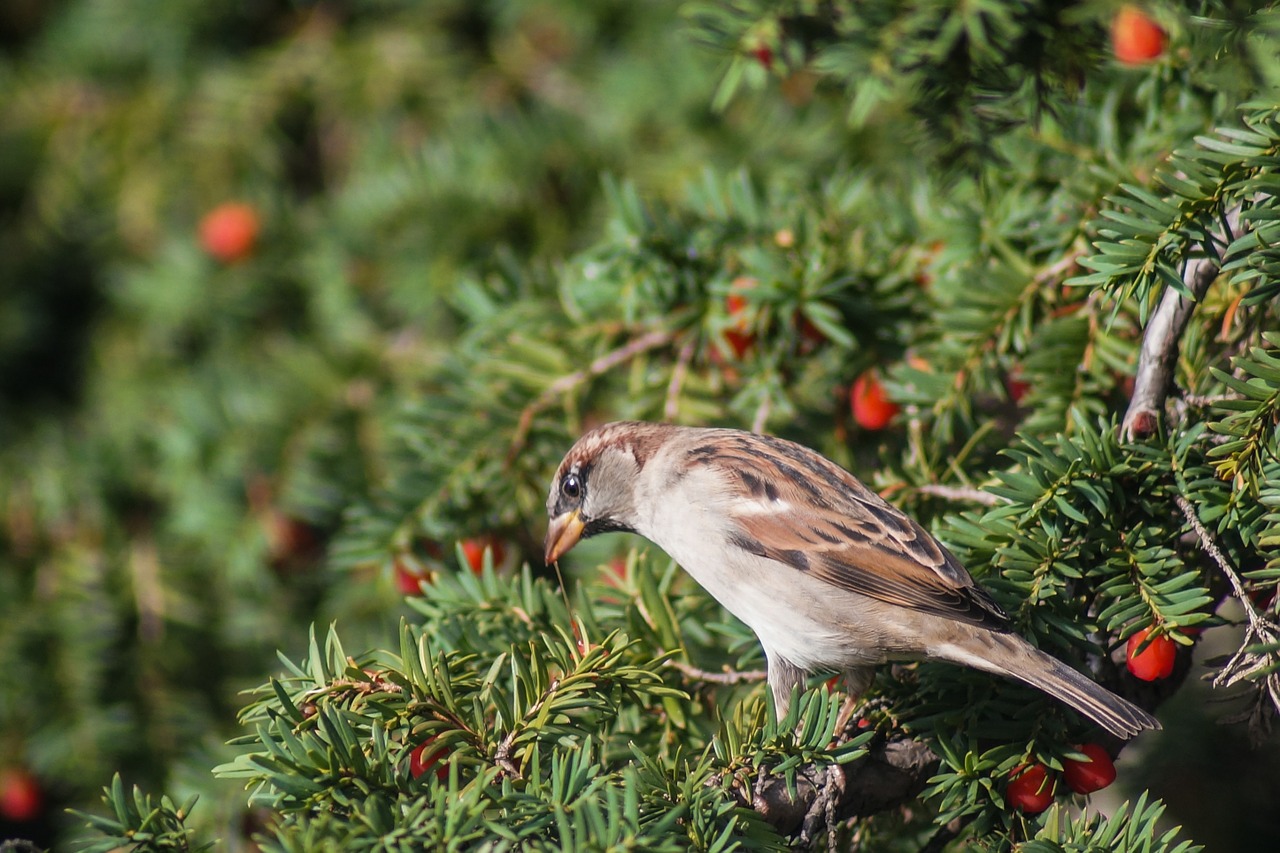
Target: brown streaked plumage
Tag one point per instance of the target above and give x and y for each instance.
(827, 574)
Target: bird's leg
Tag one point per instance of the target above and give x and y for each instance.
(784, 678)
(856, 681)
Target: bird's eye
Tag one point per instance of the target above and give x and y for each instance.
(571, 487)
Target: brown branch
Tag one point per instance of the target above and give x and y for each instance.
(502, 757)
(960, 494)
(889, 775)
(1160, 341)
(726, 676)
(1203, 402)
(762, 414)
(148, 593)
(1057, 271)
(565, 384)
(671, 407)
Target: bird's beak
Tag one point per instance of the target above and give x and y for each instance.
(562, 534)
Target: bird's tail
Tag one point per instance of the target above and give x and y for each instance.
(1010, 655)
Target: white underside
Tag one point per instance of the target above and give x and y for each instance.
(807, 622)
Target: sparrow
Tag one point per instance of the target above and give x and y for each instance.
(828, 575)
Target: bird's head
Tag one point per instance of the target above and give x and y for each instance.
(594, 490)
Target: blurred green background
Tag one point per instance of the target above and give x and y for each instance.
(179, 435)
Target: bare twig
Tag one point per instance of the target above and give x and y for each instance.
(671, 407)
(1203, 402)
(960, 494)
(1058, 270)
(1161, 339)
(565, 384)
(762, 414)
(376, 684)
(727, 676)
(502, 755)
(148, 595)
(1245, 663)
(1210, 545)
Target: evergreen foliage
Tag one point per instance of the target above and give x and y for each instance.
(488, 227)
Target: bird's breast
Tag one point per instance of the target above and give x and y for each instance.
(810, 623)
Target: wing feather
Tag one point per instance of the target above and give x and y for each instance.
(802, 510)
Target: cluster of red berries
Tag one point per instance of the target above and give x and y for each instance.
(1032, 786)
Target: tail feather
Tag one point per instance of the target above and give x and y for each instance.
(1117, 715)
(1010, 655)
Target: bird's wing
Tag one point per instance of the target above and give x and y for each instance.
(794, 506)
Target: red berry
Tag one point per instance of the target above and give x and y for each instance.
(924, 268)
(617, 574)
(763, 55)
(229, 232)
(21, 799)
(1085, 777)
(1030, 788)
(1144, 424)
(408, 579)
(1155, 661)
(426, 756)
(809, 332)
(1016, 385)
(871, 408)
(1262, 596)
(740, 340)
(290, 540)
(1135, 38)
(473, 549)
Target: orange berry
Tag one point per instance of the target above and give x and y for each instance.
(229, 232)
(871, 408)
(1135, 38)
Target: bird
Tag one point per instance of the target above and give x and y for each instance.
(828, 575)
